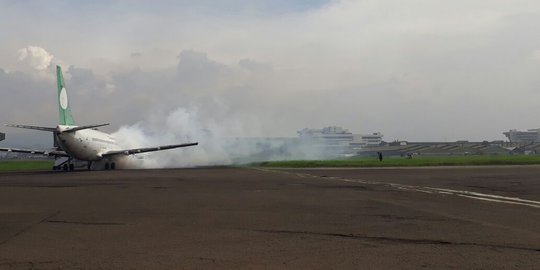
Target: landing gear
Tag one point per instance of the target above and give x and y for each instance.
(69, 165)
(110, 166)
(65, 166)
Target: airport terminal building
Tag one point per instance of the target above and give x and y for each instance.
(528, 136)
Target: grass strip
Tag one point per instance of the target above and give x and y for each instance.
(25, 165)
(417, 161)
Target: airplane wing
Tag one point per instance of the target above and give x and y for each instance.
(36, 152)
(53, 129)
(147, 149)
(50, 129)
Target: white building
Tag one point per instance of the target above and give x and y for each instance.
(338, 140)
(363, 140)
(528, 136)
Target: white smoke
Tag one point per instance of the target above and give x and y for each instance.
(180, 126)
(220, 143)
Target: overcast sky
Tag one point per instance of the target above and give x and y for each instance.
(417, 70)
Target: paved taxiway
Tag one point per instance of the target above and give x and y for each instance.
(217, 218)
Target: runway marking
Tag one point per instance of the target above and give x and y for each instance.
(429, 190)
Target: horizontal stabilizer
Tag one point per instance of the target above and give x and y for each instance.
(49, 129)
(36, 152)
(84, 127)
(148, 149)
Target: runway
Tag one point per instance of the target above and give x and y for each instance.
(253, 218)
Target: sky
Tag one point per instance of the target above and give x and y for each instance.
(416, 70)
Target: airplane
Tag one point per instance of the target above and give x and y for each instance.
(83, 143)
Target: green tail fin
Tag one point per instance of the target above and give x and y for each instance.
(63, 104)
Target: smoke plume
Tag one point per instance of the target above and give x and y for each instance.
(220, 143)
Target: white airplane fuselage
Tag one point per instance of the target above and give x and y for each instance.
(87, 144)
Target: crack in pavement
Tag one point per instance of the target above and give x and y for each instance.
(25, 229)
(32, 264)
(48, 220)
(400, 240)
(395, 217)
(84, 223)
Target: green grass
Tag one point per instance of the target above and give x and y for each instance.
(25, 165)
(403, 162)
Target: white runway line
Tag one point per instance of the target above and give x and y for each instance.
(430, 190)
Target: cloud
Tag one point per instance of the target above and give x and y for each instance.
(135, 55)
(195, 68)
(35, 57)
(415, 70)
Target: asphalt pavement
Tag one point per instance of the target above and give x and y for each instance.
(250, 218)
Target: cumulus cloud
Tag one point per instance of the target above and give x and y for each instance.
(35, 57)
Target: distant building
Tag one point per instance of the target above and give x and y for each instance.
(362, 140)
(2, 136)
(338, 140)
(528, 136)
(328, 135)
